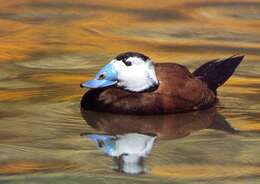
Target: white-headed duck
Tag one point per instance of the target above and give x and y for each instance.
(132, 84)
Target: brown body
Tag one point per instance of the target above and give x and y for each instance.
(179, 91)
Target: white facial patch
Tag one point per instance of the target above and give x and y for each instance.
(138, 75)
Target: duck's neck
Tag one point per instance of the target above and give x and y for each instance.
(137, 85)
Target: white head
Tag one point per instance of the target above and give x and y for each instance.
(131, 71)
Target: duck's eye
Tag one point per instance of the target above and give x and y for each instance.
(101, 144)
(102, 76)
(127, 63)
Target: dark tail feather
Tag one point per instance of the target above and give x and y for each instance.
(216, 72)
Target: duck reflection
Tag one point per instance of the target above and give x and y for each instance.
(129, 139)
(165, 127)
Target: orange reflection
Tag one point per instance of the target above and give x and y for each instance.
(31, 28)
(205, 171)
(28, 167)
(67, 79)
(14, 95)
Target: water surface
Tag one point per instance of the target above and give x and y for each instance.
(48, 47)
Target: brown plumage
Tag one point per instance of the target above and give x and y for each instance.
(179, 90)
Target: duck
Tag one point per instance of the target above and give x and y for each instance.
(132, 83)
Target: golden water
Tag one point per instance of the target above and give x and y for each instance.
(48, 47)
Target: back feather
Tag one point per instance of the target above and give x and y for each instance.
(217, 72)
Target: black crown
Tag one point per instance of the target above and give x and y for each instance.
(124, 56)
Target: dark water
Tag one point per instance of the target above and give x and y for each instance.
(48, 47)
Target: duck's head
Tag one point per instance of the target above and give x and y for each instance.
(131, 71)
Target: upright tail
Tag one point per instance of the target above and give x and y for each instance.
(216, 72)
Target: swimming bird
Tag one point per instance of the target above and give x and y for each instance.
(133, 84)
